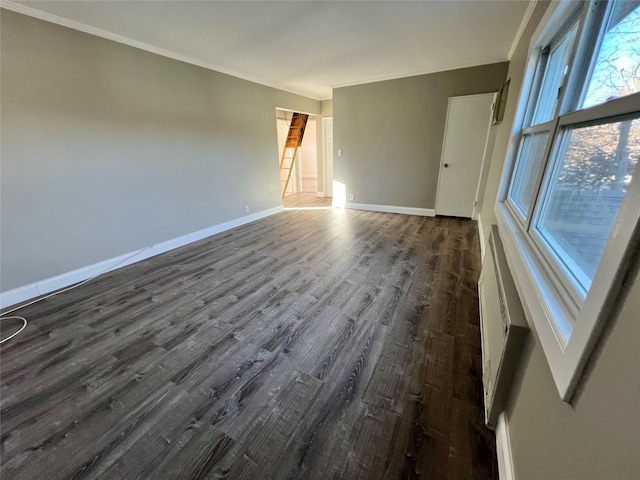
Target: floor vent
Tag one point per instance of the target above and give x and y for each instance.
(503, 327)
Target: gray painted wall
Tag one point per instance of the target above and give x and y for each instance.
(597, 436)
(107, 149)
(391, 133)
(326, 108)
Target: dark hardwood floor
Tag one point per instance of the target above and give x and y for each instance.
(306, 200)
(321, 344)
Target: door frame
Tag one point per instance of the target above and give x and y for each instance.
(296, 174)
(486, 163)
(327, 158)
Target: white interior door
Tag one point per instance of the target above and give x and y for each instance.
(465, 139)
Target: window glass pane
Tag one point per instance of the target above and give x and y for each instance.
(586, 191)
(617, 69)
(527, 168)
(555, 70)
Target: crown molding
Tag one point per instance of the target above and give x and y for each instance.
(523, 25)
(98, 32)
(416, 73)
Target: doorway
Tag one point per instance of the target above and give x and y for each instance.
(306, 179)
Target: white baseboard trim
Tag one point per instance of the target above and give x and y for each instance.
(42, 287)
(320, 194)
(423, 212)
(503, 449)
(481, 235)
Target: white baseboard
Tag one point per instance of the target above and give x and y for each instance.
(481, 235)
(42, 287)
(320, 194)
(503, 449)
(423, 212)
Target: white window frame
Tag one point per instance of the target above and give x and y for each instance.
(568, 324)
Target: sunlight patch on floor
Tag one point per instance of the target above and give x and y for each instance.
(308, 208)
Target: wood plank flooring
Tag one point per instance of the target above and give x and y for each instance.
(306, 200)
(322, 344)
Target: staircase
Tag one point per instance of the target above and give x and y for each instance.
(291, 145)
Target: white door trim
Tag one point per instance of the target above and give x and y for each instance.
(503, 449)
(327, 158)
(486, 163)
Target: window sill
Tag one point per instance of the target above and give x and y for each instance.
(567, 338)
(544, 312)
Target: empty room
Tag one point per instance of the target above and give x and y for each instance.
(319, 239)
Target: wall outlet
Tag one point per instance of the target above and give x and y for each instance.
(246, 209)
(352, 197)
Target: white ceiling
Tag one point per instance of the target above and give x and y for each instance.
(305, 47)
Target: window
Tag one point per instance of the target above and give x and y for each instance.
(592, 172)
(552, 68)
(523, 182)
(615, 72)
(564, 208)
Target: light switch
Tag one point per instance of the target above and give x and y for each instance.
(339, 152)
